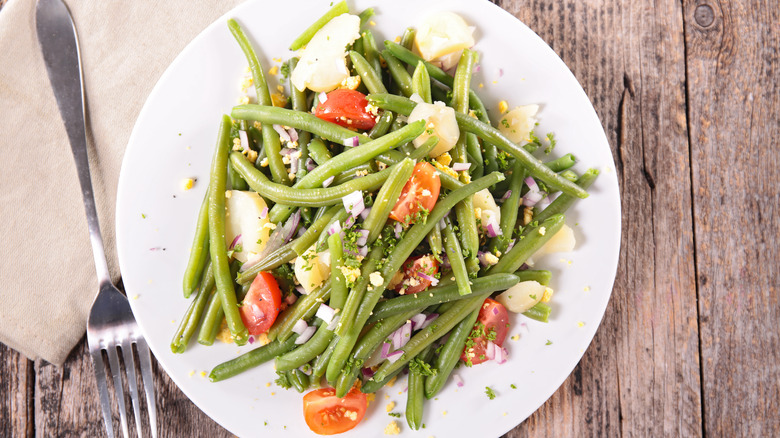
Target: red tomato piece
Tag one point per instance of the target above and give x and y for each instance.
(262, 304)
(413, 281)
(346, 108)
(420, 192)
(326, 414)
(492, 324)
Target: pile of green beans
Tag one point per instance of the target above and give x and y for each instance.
(380, 164)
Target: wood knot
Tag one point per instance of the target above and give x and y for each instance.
(704, 15)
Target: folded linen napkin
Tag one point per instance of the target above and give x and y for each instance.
(47, 276)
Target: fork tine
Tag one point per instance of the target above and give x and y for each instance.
(100, 378)
(116, 372)
(127, 353)
(146, 371)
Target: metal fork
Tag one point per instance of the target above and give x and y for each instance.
(111, 325)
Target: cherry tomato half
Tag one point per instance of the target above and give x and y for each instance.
(420, 192)
(326, 414)
(346, 108)
(413, 282)
(492, 323)
(262, 304)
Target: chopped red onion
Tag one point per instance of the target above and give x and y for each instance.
(334, 228)
(294, 166)
(334, 323)
(477, 68)
(495, 310)
(403, 336)
(417, 321)
(306, 335)
(310, 164)
(300, 326)
(459, 167)
(541, 205)
(363, 238)
(500, 72)
(362, 251)
(322, 97)
(287, 151)
(293, 134)
(289, 227)
(531, 198)
(386, 348)
(506, 196)
(328, 181)
(398, 229)
(492, 227)
(482, 260)
(531, 183)
(251, 340)
(353, 202)
(434, 281)
(364, 213)
(235, 242)
(501, 355)
(428, 320)
(490, 350)
(301, 231)
(326, 313)
(282, 133)
(442, 224)
(264, 213)
(511, 244)
(352, 141)
(301, 290)
(244, 140)
(290, 299)
(458, 380)
(368, 373)
(394, 356)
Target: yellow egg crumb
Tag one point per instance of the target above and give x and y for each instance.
(390, 406)
(268, 385)
(542, 230)
(391, 382)
(548, 293)
(444, 412)
(586, 288)
(273, 70)
(203, 374)
(580, 324)
(243, 100)
(444, 159)
(370, 398)
(392, 428)
(397, 39)
(503, 106)
(279, 100)
(481, 85)
(187, 184)
(273, 393)
(192, 373)
(516, 337)
(372, 22)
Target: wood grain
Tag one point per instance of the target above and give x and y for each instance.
(733, 93)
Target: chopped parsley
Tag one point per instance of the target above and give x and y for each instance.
(394, 414)
(421, 367)
(549, 342)
(490, 393)
(285, 70)
(283, 381)
(513, 386)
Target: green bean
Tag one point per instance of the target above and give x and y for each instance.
(236, 181)
(366, 346)
(357, 172)
(271, 143)
(509, 211)
(305, 306)
(455, 255)
(570, 175)
(444, 323)
(351, 323)
(319, 152)
(306, 352)
(251, 359)
(540, 276)
(304, 38)
(212, 319)
(191, 318)
(450, 354)
(321, 362)
(338, 284)
(371, 78)
(467, 222)
(371, 385)
(199, 254)
(524, 248)
(562, 163)
(407, 39)
(564, 201)
(382, 125)
(475, 154)
(269, 115)
(371, 52)
(462, 81)
(322, 240)
(295, 380)
(349, 159)
(421, 83)
(398, 72)
(435, 242)
(365, 16)
(539, 312)
(217, 245)
(316, 197)
(488, 133)
(298, 98)
(416, 391)
(386, 199)
(441, 294)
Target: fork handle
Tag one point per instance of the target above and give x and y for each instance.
(63, 64)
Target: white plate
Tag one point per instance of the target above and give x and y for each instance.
(174, 138)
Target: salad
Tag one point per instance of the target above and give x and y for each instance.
(373, 220)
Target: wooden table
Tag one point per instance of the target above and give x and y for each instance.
(688, 94)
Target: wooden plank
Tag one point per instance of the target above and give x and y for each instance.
(16, 394)
(641, 374)
(733, 92)
(66, 403)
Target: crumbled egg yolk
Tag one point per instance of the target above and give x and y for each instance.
(243, 100)
(273, 70)
(477, 212)
(542, 230)
(279, 100)
(187, 184)
(503, 106)
(390, 406)
(444, 159)
(350, 83)
(548, 293)
(491, 258)
(376, 279)
(392, 428)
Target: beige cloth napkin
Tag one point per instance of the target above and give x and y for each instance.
(47, 276)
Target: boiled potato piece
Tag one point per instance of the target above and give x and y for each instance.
(521, 296)
(242, 216)
(484, 201)
(312, 268)
(518, 123)
(323, 63)
(440, 121)
(562, 241)
(442, 34)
